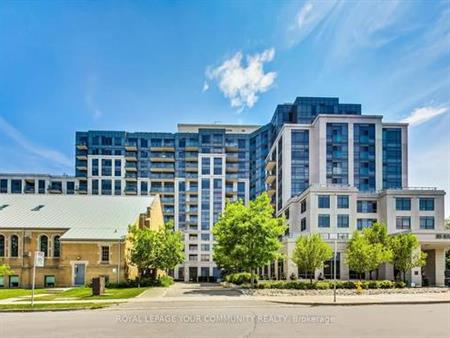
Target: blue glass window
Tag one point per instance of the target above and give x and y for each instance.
(392, 158)
(427, 222)
(426, 204)
(403, 222)
(324, 201)
(342, 202)
(342, 221)
(403, 204)
(324, 221)
(366, 206)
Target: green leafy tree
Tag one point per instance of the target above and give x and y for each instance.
(405, 253)
(248, 237)
(378, 238)
(153, 250)
(5, 270)
(311, 252)
(360, 253)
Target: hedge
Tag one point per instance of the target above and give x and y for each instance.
(240, 278)
(325, 285)
(163, 281)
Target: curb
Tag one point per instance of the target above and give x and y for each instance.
(363, 303)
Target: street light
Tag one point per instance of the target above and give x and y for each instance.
(334, 236)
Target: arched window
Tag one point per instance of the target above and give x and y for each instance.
(14, 246)
(2, 246)
(43, 244)
(56, 247)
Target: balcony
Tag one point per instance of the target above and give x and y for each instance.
(270, 192)
(270, 178)
(191, 147)
(165, 147)
(82, 157)
(130, 191)
(231, 147)
(191, 159)
(163, 159)
(232, 158)
(191, 168)
(270, 165)
(131, 167)
(131, 147)
(131, 156)
(232, 168)
(231, 178)
(82, 167)
(82, 146)
(162, 169)
(130, 177)
(168, 200)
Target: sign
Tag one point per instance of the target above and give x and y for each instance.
(443, 236)
(39, 258)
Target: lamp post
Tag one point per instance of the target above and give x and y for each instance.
(334, 236)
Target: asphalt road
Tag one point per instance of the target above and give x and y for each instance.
(212, 312)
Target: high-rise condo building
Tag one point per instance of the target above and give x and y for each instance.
(326, 167)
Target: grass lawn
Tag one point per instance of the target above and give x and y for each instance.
(83, 293)
(50, 307)
(12, 293)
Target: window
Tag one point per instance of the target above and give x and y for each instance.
(2, 246)
(16, 186)
(205, 247)
(70, 187)
(43, 245)
(342, 221)
(217, 166)
(403, 204)
(144, 188)
(193, 258)
(105, 254)
(95, 187)
(13, 281)
(117, 168)
(14, 246)
(41, 187)
(205, 237)
(403, 222)
(303, 206)
(3, 186)
(95, 167)
(342, 202)
(362, 223)
(324, 221)
(106, 187)
(117, 187)
(56, 246)
(426, 204)
(303, 224)
(49, 281)
(205, 166)
(324, 201)
(427, 222)
(366, 206)
(106, 167)
(204, 258)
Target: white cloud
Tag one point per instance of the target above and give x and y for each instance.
(309, 16)
(241, 83)
(423, 114)
(45, 153)
(205, 86)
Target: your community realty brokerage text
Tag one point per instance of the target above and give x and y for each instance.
(223, 318)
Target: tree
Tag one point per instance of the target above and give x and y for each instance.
(405, 253)
(360, 253)
(5, 270)
(153, 250)
(248, 237)
(378, 238)
(310, 252)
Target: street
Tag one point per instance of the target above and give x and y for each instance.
(194, 311)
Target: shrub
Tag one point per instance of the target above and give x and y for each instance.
(239, 278)
(386, 284)
(321, 285)
(400, 284)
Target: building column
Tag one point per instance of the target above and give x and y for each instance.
(345, 275)
(386, 271)
(439, 267)
(416, 274)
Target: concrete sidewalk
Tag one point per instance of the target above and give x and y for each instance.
(425, 298)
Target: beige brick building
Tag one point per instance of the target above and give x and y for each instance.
(81, 236)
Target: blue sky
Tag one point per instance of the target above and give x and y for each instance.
(144, 66)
